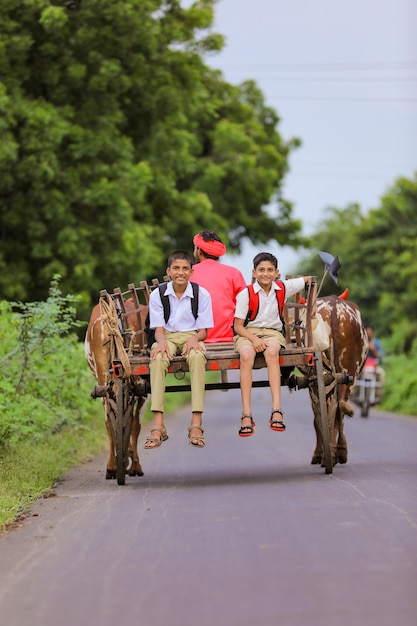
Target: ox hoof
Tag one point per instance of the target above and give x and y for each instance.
(316, 460)
(135, 470)
(135, 473)
(341, 454)
(342, 459)
(110, 474)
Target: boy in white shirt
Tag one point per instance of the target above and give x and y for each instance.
(182, 334)
(262, 334)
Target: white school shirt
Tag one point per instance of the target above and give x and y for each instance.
(181, 317)
(268, 314)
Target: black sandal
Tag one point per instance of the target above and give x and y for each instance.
(247, 431)
(277, 424)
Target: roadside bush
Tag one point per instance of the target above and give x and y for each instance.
(400, 387)
(39, 386)
(48, 421)
(47, 414)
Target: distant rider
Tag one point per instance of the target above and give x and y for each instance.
(376, 353)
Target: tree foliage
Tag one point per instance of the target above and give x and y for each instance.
(378, 253)
(119, 143)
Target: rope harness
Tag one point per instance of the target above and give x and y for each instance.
(110, 320)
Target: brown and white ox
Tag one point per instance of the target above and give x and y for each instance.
(98, 354)
(347, 352)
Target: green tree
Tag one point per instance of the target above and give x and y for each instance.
(390, 233)
(119, 143)
(377, 252)
(337, 233)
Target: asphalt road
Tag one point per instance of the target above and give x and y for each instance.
(243, 532)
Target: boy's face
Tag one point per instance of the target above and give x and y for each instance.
(180, 271)
(265, 273)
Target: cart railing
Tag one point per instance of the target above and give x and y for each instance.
(132, 307)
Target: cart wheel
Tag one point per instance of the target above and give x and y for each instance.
(124, 404)
(325, 433)
(121, 461)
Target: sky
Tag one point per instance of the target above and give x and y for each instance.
(342, 76)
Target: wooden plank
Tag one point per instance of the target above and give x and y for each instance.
(226, 359)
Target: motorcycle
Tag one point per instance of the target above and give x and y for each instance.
(367, 389)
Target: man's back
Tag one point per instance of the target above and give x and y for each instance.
(223, 282)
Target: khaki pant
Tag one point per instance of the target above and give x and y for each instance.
(197, 366)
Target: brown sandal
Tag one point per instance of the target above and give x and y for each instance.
(156, 440)
(199, 439)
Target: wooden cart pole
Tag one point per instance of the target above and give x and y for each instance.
(325, 433)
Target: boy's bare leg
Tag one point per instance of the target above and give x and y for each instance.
(274, 376)
(247, 358)
(271, 355)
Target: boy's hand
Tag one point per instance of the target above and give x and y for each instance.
(192, 344)
(162, 349)
(259, 344)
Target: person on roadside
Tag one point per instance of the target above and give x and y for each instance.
(375, 352)
(258, 329)
(222, 281)
(183, 333)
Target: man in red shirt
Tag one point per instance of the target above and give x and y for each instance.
(223, 282)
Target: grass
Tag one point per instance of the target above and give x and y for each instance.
(30, 469)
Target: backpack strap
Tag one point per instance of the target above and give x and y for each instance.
(194, 301)
(253, 307)
(165, 300)
(281, 300)
(280, 297)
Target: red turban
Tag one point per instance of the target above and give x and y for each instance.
(213, 248)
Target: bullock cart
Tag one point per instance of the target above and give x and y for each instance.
(127, 382)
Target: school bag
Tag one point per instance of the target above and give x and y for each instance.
(150, 332)
(253, 307)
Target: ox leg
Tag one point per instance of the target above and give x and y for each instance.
(135, 468)
(111, 461)
(341, 448)
(332, 409)
(318, 454)
(318, 450)
(344, 408)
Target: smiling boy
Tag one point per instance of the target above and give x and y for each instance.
(262, 333)
(183, 333)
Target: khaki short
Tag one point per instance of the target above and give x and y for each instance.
(267, 334)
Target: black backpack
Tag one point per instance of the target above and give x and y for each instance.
(150, 332)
